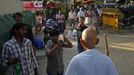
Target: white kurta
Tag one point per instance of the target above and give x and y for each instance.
(91, 63)
(80, 14)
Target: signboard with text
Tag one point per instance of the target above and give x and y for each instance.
(32, 5)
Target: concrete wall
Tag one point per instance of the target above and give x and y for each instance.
(70, 1)
(10, 6)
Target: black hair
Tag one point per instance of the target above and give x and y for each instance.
(17, 26)
(82, 17)
(17, 13)
(54, 32)
(51, 16)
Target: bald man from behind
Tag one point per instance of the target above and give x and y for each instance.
(91, 61)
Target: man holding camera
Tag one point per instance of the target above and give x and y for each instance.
(54, 51)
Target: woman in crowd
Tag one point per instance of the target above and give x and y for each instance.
(38, 35)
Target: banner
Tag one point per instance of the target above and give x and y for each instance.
(32, 5)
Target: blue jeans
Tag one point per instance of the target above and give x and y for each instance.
(61, 27)
(80, 48)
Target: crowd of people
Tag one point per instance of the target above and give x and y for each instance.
(82, 18)
(19, 51)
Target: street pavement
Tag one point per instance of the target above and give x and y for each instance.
(121, 46)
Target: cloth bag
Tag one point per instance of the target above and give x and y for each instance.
(70, 34)
(39, 43)
(74, 33)
(87, 21)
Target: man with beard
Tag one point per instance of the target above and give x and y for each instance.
(54, 51)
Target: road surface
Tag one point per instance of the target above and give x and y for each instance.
(121, 46)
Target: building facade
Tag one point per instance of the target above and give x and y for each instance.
(10, 6)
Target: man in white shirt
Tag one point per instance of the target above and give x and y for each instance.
(72, 17)
(91, 61)
(80, 14)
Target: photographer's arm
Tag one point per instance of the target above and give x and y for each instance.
(67, 43)
(50, 49)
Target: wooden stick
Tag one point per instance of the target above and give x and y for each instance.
(106, 45)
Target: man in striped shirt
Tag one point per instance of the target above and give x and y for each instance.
(18, 52)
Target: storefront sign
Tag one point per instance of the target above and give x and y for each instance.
(27, 5)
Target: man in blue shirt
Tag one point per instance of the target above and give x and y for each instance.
(91, 61)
